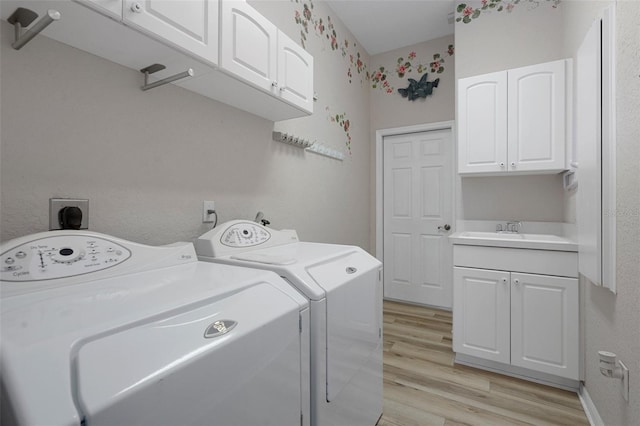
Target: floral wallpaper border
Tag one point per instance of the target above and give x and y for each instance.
(380, 77)
(325, 30)
(466, 13)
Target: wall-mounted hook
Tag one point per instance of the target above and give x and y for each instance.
(159, 67)
(290, 139)
(22, 18)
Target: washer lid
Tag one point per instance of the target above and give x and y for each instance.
(40, 329)
(168, 372)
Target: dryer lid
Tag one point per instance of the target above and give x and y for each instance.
(354, 315)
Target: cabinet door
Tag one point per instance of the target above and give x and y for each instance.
(295, 73)
(191, 26)
(111, 8)
(248, 45)
(481, 313)
(537, 117)
(544, 324)
(482, 123)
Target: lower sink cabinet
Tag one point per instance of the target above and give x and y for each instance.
(525, 320)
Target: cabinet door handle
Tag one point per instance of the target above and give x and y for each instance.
(136, 7)
(502, 164)
(516, 281)
(274, 84)
(504, 280)
(513, 164)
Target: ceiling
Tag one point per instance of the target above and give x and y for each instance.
(383, 25)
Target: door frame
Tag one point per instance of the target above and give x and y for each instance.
(394, 131)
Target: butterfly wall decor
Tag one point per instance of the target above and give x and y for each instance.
(419, 89)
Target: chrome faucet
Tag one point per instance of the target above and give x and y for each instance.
(512, 226)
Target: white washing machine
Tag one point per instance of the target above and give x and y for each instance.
(344, 287)
(96, 330)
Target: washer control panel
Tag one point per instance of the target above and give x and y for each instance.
(244, 234)
(60, 257)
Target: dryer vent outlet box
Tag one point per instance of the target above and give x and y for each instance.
(57, 204)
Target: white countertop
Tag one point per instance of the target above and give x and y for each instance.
(514, 240)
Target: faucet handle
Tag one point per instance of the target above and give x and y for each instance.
(514, 226)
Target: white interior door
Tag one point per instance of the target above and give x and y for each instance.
(417, 207)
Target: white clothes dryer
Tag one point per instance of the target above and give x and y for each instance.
(97, 330)
(344, 287)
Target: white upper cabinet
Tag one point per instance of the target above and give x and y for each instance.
(249, 45)
(237, 56)
(111, 8)
(536, 117)
(295, 73)
(253, 49)
(513, 121)
(190, 26)
(482, 118)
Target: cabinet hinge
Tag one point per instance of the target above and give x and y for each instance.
(301, 418)
(300, 324)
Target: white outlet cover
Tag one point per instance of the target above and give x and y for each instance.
(206, 206)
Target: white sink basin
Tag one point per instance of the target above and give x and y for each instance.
(501, 239)
(509, 236)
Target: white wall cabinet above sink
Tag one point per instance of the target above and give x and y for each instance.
(513, 121)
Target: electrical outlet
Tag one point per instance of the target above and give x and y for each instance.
(207, 208)
(56, 204)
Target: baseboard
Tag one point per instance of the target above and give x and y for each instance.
(589, 407)
(519, 372)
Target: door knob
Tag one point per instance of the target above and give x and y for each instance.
(446, 227)
(136, 7)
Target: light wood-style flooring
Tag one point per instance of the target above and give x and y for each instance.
(423, 387)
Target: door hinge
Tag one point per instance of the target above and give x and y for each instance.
(300, 324)
(379, 332)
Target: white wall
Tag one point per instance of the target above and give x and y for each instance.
(612, 321)
(75, 125)
(390, 110)
(531, 33)
(497, 41)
